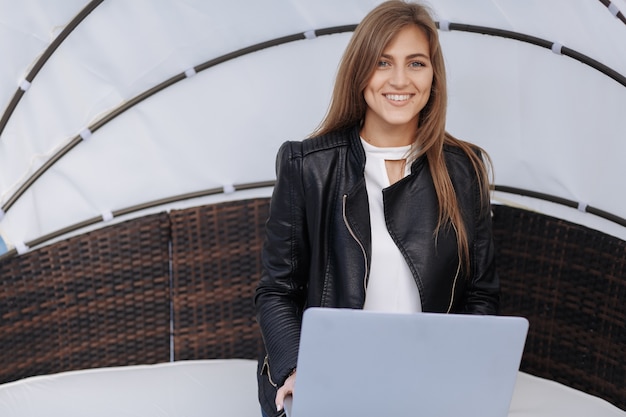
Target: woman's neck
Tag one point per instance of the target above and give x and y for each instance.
(388, 136)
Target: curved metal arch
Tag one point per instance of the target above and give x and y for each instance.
(157, 88)
(263, 184)
(619, 15)
(621, 79)
(8, 112)
(134, 209)
(584, 59)
(562, 201)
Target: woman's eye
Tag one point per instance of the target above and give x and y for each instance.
(416, 64)
(383, 64)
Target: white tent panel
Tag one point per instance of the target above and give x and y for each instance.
(551, 123)
(122, 49)
(26, 29)
(198, 134)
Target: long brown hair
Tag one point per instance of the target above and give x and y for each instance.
(347, 106)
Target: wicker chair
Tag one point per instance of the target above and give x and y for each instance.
(96, 300)
(570, 282)
(103, 299)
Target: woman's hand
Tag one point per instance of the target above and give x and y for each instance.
(285, 390)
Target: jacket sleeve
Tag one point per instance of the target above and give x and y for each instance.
(281, 292)
(483, 293)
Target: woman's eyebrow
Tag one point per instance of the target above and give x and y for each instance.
(411, 56)
(418, 55)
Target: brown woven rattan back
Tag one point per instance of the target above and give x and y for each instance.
(216, 265)
(570, 282)
(95, 300)
(103, 298)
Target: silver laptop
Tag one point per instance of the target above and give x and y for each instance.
(371, 364)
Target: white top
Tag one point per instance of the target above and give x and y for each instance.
(391, 286)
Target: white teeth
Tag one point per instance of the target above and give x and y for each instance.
(398, 97)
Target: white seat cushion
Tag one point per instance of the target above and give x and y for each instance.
(222, 388)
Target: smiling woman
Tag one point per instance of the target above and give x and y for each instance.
(379, 209)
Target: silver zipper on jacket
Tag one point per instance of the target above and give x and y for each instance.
(345, 220)
(266, 365)
(456, 276)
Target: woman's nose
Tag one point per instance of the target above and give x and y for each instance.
(398, 78)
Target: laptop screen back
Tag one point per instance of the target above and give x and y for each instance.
(363, 363)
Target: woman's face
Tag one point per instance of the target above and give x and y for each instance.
(400, 86)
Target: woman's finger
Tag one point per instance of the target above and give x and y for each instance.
(285, 390)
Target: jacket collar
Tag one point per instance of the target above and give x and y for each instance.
(356, 147)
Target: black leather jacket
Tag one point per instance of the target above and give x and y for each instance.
(317, 248)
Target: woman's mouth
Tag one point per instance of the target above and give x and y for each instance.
(398, 97)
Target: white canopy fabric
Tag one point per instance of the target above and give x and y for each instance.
(80, 141)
